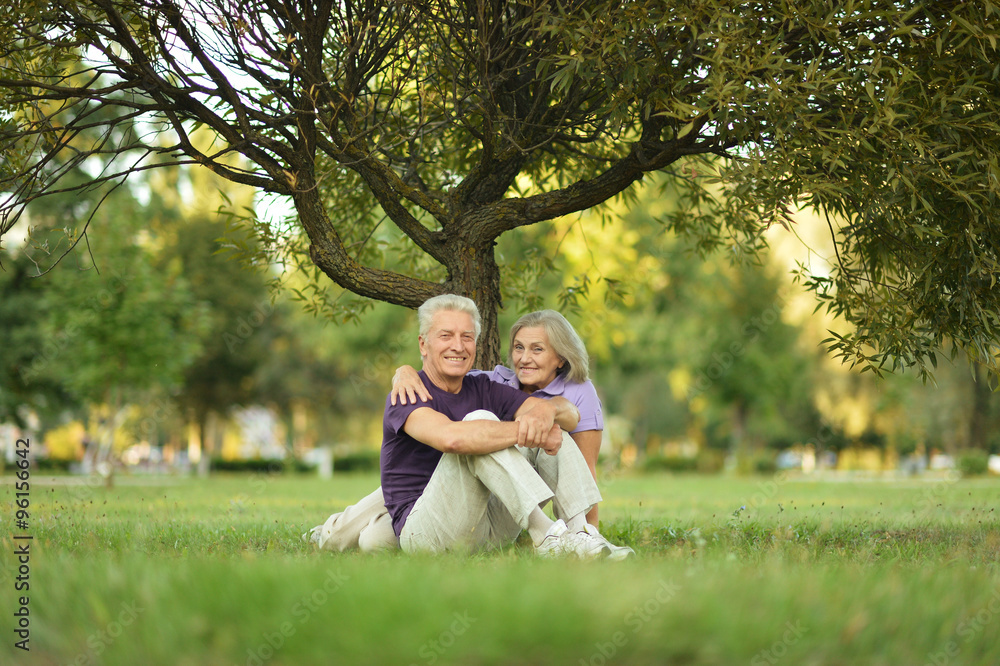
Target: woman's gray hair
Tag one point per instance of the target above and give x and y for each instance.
(451, 302)
(564, 340)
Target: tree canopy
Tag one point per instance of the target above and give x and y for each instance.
(410, 135)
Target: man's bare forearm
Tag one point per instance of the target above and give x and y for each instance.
(482, 437)
(478, 437)
(558, 410)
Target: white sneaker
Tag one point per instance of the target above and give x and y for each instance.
(616, 552)
(560, 541)
(313, 535)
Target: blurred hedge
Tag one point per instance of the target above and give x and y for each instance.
(973, 462)
(360, 461)
(708, 461)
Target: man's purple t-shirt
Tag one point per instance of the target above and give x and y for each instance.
(406, 464)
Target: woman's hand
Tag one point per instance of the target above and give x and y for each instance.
(407, 387)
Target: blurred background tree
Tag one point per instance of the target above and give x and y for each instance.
(23, 306)
(692, 349)
(455, 123)
(396, 163)
(115, 328)
(237, 302)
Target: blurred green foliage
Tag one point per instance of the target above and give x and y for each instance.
(973, 462)
(412, 141)
(687, 345)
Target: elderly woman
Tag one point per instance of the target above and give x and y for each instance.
(547, 359)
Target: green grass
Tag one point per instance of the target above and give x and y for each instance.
(730, 571)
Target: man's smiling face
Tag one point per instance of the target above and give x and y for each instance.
(449, 348)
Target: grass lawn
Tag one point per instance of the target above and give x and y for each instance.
(730, 571)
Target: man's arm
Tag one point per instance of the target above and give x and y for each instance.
(471, 437)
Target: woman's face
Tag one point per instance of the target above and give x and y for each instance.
(535, 362)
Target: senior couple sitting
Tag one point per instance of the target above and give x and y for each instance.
(470, 458)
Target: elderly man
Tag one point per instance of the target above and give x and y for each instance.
(452, 482)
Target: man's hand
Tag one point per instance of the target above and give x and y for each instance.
(554, 440)
(544, 413)
(406, 385)
(535, 425)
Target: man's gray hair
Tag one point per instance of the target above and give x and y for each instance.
(564, 340)
(450, 302)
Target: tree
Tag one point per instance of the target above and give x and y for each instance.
(336, 376)
(752, 365)
(114, 329)
(22, 313)
(236, 302)
(459, 121)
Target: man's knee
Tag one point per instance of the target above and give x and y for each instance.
(378, 535)
(481, 415)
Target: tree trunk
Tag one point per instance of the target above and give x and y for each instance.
(205, 462)
(466, 249)
(737, 435)
(479, 279)
(107, 426)
(980, 416)
(288, 416)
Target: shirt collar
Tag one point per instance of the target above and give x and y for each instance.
(556, 387)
